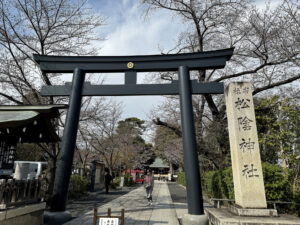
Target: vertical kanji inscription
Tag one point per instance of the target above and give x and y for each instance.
(245, 156)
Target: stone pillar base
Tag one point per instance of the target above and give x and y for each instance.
(189, 219)
(224, 217)
(56, 218)
(251, 212)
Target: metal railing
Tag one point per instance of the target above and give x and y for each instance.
(19, 192)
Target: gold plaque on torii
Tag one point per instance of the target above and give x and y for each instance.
(130, 65)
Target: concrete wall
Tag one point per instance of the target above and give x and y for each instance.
(26, 215)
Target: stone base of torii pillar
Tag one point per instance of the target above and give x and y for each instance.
(189, 219)
(57, 218)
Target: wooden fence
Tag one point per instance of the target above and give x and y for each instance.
(19, 192)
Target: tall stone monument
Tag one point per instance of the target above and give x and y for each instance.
(250, 199)
(245, 156)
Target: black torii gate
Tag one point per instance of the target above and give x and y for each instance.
(183, 63)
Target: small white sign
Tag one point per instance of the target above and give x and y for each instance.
(122, 182)
(109, 221)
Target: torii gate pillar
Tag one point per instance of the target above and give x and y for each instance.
(191, 165)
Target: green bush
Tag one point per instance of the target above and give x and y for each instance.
(277, 186)
(219, 184)
(296, 207)
(227, 183)
(128, 180)
(181, 178)
(208, 186)
(115, 183)
(78, 186)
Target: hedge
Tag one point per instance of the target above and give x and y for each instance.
(181, 178)
(219, 184)
(78, 186)
(128, 180)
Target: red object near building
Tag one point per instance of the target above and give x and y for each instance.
(137, 175)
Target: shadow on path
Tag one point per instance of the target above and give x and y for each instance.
(178, 193)
(81, 206)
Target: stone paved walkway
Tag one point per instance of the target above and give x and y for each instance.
(95, 199)
(137, 212)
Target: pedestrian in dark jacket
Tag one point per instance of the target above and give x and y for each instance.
(107, 179)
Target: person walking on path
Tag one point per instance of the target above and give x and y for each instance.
(107, 179)
(149, 184)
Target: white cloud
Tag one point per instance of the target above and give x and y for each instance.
(139, 106)
(128, 33)
(261, 4)
(136, 35)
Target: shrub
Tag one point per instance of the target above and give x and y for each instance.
(128, 180)
(277, 186)
(115, 183)
(296, 208)
(219, 184)
(181, 178)
(208, 184)
(78, 186)
(227, 180)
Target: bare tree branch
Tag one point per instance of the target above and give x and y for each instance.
(177, 130)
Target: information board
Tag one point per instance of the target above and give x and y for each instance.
(109, 221)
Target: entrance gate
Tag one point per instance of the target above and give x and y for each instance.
(183, 63)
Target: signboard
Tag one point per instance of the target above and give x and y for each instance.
(122, 182)
(109, 221)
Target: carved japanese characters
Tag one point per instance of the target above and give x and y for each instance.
(246, 163)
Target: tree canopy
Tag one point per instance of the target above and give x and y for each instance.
(45, 27)
(267, 50)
